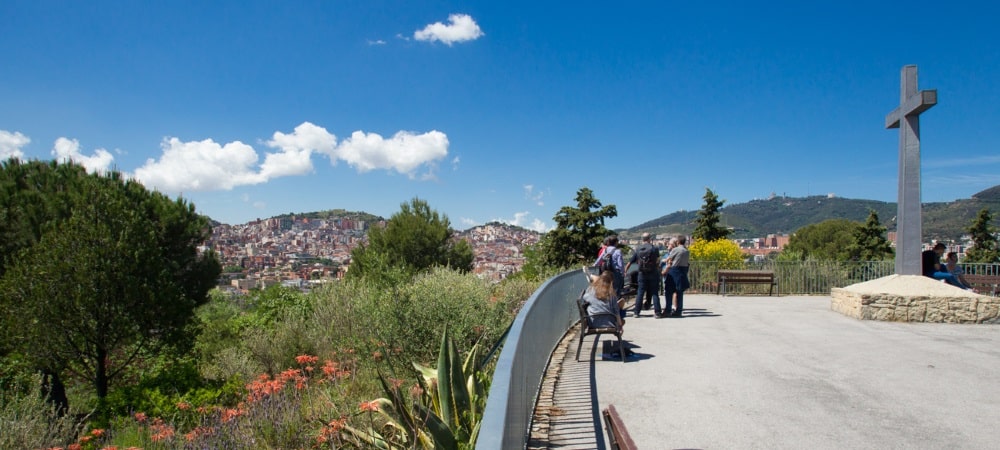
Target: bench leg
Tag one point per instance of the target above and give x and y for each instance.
(580, 344)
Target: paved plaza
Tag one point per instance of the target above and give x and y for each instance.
(785, 372)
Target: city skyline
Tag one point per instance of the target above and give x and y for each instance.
(499, 112)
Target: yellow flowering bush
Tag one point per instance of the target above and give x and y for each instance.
(724, 251)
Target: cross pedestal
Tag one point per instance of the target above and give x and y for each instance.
(906, 117)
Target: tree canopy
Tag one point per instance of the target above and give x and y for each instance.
(579, 231)
(708, 228)
(827, 240)
(416, 238)
(100, 270)
(870, 242)
(984, 248)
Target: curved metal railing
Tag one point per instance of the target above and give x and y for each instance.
(537, 329)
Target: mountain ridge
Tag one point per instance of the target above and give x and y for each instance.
(783, 214)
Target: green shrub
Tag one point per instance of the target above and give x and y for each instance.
(28, 421)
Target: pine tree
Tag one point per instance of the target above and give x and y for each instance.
(708, 228)
(578, 233)
(870, 243)
(984, 248)
(101, 272)
(414, 239)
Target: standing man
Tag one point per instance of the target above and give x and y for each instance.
(648, 258)
(676, 275)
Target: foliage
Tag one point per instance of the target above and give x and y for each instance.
(446, 411)
(715, 255)
(870, 242)
(535, 267)
(410, 317)
(984, 238)
(708, 228)
(579, 232)
(295, 408)
(787, 255)
(827, 240)
(416, 238)
(233, 391)
(724, 251)
(401, 321)
(113, 267)
(169, 387)
(30, 422)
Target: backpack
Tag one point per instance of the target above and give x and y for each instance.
(647, 261)
(606, 262)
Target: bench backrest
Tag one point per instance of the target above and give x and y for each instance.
(984, 284)
(745, 275)
(617, 434)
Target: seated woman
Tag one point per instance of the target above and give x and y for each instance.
(932, 267)
(951, 265)
(600, 298)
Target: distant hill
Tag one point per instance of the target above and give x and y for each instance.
(333, 214)
(329, 214)
(942, 220)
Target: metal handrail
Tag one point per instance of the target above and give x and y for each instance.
(537, 329)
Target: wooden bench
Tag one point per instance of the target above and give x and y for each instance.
(586, 328)
(984, 284)
(617, 434)
(725, 277)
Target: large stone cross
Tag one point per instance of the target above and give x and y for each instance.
(906, 117)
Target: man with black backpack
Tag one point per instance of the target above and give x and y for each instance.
(647, 256)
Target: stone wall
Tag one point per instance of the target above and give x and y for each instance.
(960, 308)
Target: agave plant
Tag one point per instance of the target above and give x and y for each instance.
(447, 413)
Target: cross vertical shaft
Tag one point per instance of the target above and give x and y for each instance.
(906, 117)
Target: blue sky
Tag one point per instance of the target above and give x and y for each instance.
(499, 110)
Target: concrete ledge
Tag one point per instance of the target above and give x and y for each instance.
(914, 298)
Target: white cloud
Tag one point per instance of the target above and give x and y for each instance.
(296, 148)
(207, 165)
(461, 28)
(454, 163)
(468, 222)
(521, 219)
(200, 166)
(69, 150)
(11, 143)
(529, 193)
(405, 152)
(376, 42)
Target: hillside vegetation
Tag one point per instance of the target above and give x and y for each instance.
(942, 220)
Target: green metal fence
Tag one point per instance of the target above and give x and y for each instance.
(804, 277)
(793, 278)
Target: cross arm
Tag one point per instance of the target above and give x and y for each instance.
(914, 105)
